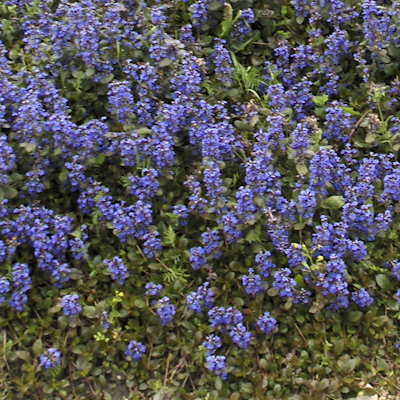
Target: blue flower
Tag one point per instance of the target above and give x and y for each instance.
(240, 336)
(104, 316)
(71, 305)
(203, 296)
(212, 343)
(4, 288)
(252, 283)
(283, 284)
(51, 359)
(135, 350)
(166, 312)
(118, 270)
(152, 289)
(263, 259)
(362, 298)
(217, 365)
(21, 279)
(266, 323)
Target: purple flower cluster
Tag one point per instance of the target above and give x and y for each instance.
(217, 364)
(212, 343)
(121, 101)
(70, 305)
(224, 319)
(263, 259)
(307, 203)
(240, 336)
(126, 124)
(182, 212)
(51, 359)
(22, 282)
(252, 283)
(4, 288)
(223, 62)
(104, 317)
(166, 312)
(152, 289)
(221, 318)
(203, 297)
(283, 284)
(362, 298)
(135, 350)
(118, 270)
(7, 160)
(241, 29)
(266, 323)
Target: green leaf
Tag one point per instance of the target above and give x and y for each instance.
(9, 192)
(82, 363)
(89, 311)
(299, 226)
(253, 236)
(89, 72)
(382, 365)
(347, 366)
(107, 79)
(301, 169)
(370, 137)
(144, 131)
(63, 175)
(78, 74)
(319, 101)
(272, 292)
(107, 396)
(165, 62)
(322, 385)
(393, 305)
(299, 280)
(383, 281)
(243, 126)
(355, 316)
(351, 111)
(247, 387)
(380, 321)
(333, 202)
(215, 6)
(37, 347)
(22, 355)
(218, 383)
(139, 303)
(100, 159)
(226, 24)
(338, 347)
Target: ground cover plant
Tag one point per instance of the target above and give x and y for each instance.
(199, 199)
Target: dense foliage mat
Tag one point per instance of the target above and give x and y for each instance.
(199, 199)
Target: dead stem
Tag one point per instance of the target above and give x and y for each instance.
(4, 350)
(358, 123)
(300, 332)
(166, 371)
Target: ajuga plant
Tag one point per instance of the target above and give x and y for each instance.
(199, 199)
